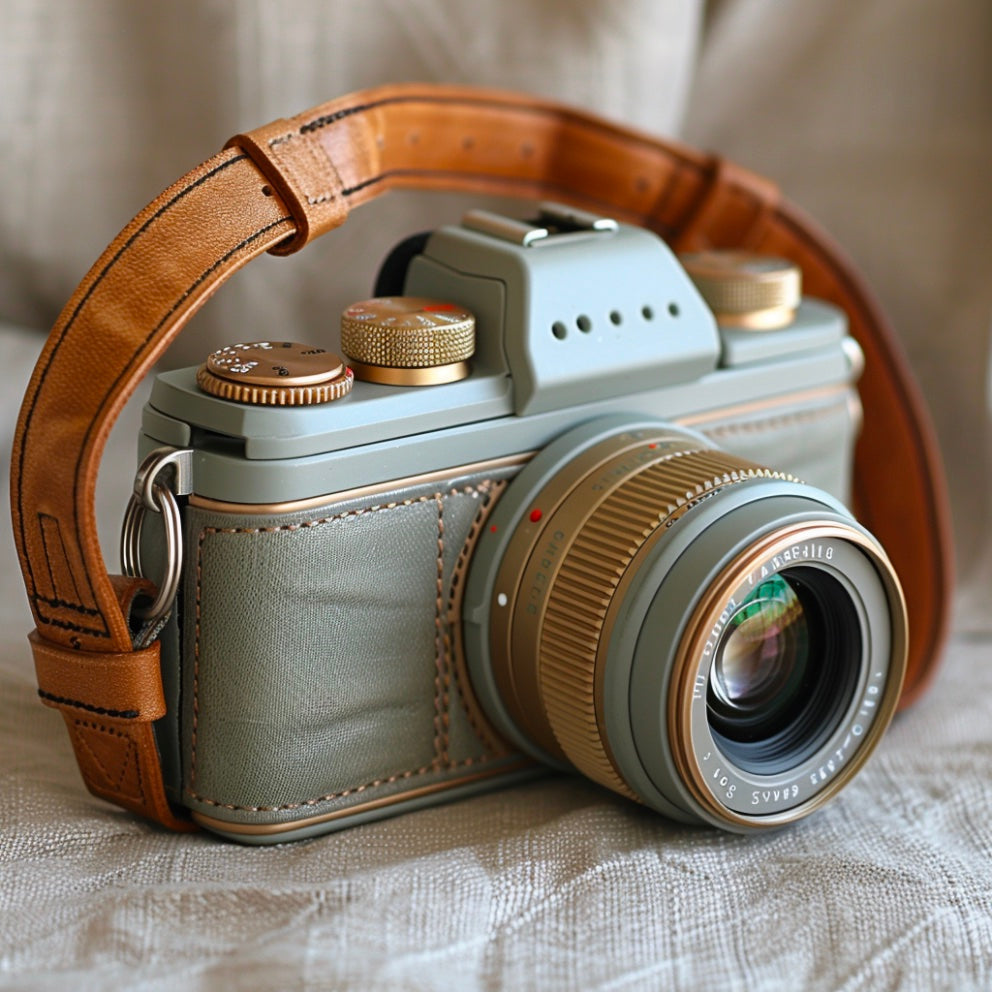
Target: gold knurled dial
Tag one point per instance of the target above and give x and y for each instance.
(744, 289)
(550, 654)
(275, 373)
(577, 618)
(408, 340)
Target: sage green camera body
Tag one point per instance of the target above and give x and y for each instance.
(325, 661)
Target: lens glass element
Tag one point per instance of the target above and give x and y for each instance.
(764, 656)
(783, 670)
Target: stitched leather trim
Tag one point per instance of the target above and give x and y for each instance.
(304, 177)
(480, 724)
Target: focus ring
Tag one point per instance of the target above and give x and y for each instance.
(572, 633)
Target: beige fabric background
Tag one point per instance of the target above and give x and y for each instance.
(877, 117)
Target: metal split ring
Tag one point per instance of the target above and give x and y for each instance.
(151, 495)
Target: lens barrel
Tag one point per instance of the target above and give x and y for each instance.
(696, 632)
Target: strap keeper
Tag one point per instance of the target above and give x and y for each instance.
(303, 176)
(734, 210)
(119, 687)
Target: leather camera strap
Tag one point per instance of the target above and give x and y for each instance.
(279, 187)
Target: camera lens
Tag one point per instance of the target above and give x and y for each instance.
(711, 638)
(761, 662)
(784, 670)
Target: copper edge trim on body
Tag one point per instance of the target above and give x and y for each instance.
(361, 492)
(263, 829)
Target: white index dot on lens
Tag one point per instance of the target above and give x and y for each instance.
(501, 599)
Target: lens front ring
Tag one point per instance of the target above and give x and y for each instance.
(738, 796)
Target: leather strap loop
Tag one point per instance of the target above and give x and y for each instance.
(303, 175)
(736, 208)
(286, 183)
(108, 703)
(119, 686)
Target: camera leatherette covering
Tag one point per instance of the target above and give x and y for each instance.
(321, 670)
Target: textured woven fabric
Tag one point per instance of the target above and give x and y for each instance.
(553, 885)
(876, 115)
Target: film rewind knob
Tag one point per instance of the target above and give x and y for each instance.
(275, 373)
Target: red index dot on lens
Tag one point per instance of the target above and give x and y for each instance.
(439, 307)
(535, 515)
(652, 446)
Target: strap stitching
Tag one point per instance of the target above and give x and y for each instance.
(99, 710)
(69, 625)
(504, 181)
(290, 167)
(42, 373)
(49, 526)
(57, 604)
(131, 755)
(178, 303)
(560, 112)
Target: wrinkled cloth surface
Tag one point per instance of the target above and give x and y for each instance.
(554, 885)
(876, 116)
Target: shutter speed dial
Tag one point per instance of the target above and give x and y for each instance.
(408, 340)
(275, 373)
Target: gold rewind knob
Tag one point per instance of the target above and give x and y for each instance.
(747, 290)
(408, 340)
(275, 373)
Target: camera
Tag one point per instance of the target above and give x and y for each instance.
(566, 502)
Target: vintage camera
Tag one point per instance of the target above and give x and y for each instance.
(537, 532)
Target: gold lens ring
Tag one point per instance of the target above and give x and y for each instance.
(516, 609)
(558, 581)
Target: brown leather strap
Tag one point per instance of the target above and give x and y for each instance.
(283, 185)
